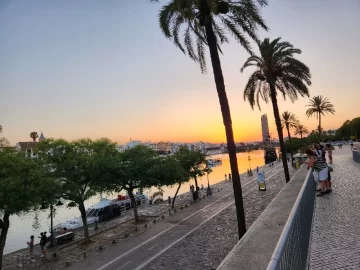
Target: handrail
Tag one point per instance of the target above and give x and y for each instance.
(292, 248)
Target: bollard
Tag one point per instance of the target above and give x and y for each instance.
(136, 229)
(181, 208)
(101, 248)
(113, 242)
(154, 221)
(96, 225)
(174, 210)
(84, 253)
(185, 205)
(126, 235)
(162, 217)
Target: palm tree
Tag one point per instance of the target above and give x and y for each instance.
(206, 22)
(301, 130)
(318, 106)
(276, 71)
(34, 135)
(289, 121)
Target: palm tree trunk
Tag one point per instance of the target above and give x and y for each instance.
(84, 220)
(280, 133)
(291, 153)
(225, 109)
(133, 203)
(319, 126)
(173, 201)
(4, 226)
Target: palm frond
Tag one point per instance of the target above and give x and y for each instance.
(278, 67)
(183, 21)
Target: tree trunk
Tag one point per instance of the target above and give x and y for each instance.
(196, 183)
(291, 153)
(173, 201)
(133, 203)
(319, 126)
(4, 231)
(225, 109)
(84, 220)
(279, 130)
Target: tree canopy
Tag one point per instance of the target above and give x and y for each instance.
(78, 165)
(23, 183)
(139, 168)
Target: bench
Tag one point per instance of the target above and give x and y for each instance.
(60, 239)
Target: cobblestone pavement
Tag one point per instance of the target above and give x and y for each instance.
(335, 242)
(209, 245)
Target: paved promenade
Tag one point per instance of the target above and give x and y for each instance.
(335, 242)
(150, 249)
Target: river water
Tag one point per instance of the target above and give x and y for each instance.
(22, 226)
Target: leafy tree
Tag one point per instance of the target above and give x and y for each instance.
(194, 165)
(23, 183)
(301, 130)
(207, 22)
(139, 168)
(79, 167)
(34, 135)
(319, 106)
(276, 71)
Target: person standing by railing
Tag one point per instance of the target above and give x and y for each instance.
(320, 171)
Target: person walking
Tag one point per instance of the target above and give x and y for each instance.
(329, 149)
(31, 247)
(229, 176)
(43, 240)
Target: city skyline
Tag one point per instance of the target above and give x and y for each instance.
(76, 71)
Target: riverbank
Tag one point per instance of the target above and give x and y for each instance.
(116, 229)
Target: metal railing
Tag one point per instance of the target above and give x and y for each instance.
(291, 251)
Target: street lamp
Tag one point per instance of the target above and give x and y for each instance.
(208, 190)
(52, 212)
(249, 159)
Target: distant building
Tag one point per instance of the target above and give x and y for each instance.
(265, 128)
(42, 137)
(131, 144)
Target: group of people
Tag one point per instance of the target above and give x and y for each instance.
(43, 240)
(317, 161)
(195, 193)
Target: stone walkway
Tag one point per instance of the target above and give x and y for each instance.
(335, 242)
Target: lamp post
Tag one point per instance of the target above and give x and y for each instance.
(52, 212)
(208, 190)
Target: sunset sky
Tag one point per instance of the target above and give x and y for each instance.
(91, 68)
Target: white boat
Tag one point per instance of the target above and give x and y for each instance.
(214, 161)
(105, 209)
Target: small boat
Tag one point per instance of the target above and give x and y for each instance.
(214, 161)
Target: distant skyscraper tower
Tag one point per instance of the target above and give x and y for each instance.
(265, 128)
